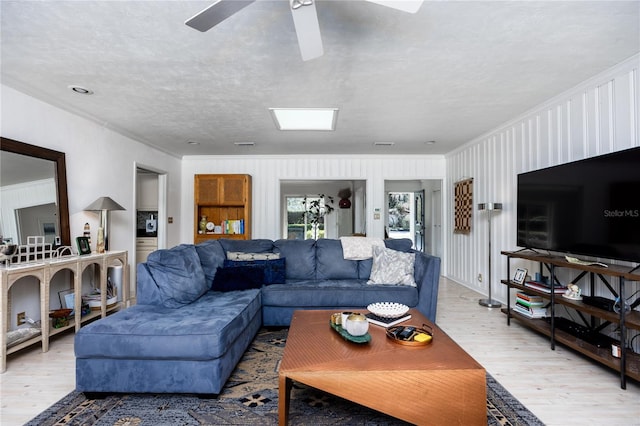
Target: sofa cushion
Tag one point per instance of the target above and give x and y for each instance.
(335, 293)
(204, 330)
(399, 244)
(273, 270)
(238, 278)
(178, 274)
(211, 256)
(247, 246)
(331, 263)
(301, 258)
(392, 267)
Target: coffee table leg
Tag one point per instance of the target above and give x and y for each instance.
(284, 396)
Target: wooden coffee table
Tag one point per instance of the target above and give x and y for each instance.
(435, 384)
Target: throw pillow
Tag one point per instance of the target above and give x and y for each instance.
(238, 255)
(392, 267)
(178, 274)
(238, 278)
(274, 271)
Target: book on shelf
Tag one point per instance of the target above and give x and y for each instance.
(529, 304)
(529, 300)
(530, 313)
(545, 288)
(532, 298)
(386, 322)
(532, 309)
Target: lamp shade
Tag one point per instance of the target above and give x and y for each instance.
(104, 203)
(490, 206)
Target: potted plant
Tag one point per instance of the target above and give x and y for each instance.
(316, 209)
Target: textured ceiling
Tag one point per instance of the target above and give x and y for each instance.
(449, 73)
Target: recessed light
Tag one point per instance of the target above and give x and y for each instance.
(322, 119)
(430, 142)
(244, 143)
(193, 143)
(384, 143)
(81, 90)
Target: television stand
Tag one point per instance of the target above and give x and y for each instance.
(628, 363)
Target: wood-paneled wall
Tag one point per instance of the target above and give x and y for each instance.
(268, 171)
(598, 117)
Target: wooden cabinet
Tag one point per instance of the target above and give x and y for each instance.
(144, 247)
(628, 364)
(44, 270)
(224, 201)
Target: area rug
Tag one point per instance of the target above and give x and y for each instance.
(250, 397)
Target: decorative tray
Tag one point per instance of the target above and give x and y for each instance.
(388, 309)
(366, 338)
(413, 335)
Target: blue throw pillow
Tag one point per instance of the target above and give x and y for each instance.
(238, 278)
(274, 270)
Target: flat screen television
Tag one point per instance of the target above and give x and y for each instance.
(589, 207)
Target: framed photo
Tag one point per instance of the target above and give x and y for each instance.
(83, 245)
(67, 299)
(519, 276)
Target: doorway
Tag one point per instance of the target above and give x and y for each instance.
(413, 212)
(333, 208)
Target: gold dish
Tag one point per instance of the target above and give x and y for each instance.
(421, 336)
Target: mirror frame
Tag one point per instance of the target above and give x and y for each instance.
(58, 158)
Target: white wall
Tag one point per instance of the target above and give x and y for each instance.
(597, 117)
(100, 162)
(268, 171)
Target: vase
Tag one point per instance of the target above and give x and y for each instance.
(203, 224)
(344, 203)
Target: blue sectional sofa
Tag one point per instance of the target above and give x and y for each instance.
(197, 310)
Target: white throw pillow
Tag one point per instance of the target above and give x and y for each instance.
(392, 267)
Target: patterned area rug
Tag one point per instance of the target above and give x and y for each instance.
(250, 397)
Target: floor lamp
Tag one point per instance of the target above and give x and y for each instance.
(104, 205)
(490, 208)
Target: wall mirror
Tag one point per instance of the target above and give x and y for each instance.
(33, 193)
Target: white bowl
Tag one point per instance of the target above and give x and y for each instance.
(388, 309)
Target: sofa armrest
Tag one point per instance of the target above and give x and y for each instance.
(427, 276)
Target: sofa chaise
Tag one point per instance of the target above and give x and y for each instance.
(200, 306)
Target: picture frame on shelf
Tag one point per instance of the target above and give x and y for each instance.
(83, 245)
(520, 276)
(67, 299)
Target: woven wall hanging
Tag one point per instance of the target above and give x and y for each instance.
(463, 208)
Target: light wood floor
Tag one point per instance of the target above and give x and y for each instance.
(560, 387)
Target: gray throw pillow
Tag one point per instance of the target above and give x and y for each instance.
(392, 267)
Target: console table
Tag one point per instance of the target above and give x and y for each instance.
(44, 270)
(629, 362)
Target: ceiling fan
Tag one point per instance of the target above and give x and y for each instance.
(305, 19)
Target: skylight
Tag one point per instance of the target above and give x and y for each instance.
(323, 119)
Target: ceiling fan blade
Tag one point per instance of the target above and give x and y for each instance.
(216, 13)
(410, 6)
(305, 20)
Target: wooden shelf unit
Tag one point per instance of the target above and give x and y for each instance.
(629, 362)
(44, 271)
(219, 198)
